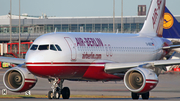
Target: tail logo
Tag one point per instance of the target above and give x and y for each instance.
(155, 14)
(168, 21)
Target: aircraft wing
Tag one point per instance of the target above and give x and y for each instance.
(123, 67)
(171, 47)
(12, 60)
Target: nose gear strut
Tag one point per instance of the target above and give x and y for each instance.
(57, 89)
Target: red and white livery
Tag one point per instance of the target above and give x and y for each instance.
(60, 56)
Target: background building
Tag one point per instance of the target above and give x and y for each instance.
(70, 24)
(32, 27)
(42, 25)
(141, 10)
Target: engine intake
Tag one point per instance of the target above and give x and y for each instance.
(19, 79)
(140, 80)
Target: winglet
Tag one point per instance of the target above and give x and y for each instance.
(153, 25)
(171, 25)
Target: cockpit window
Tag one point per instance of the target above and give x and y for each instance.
(52, 47)
(34, 47)
(43, 47)
(57, 46)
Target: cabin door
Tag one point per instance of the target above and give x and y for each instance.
(72, 47)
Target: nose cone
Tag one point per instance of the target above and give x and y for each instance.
(42, 63)
(34, 56)
(31, 59)
(36, 61)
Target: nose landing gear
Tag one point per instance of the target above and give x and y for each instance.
(57, 89)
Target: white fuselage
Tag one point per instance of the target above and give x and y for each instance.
(94, 48)
(86, 48)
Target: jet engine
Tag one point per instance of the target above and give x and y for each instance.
(18, 79)
(140, 80)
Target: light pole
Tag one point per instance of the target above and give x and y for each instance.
(113, 16)
(10, 29)
(19, 31)
(122, 25)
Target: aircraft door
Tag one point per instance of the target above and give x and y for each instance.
(156, 49)
(108, 50)
(72, 47)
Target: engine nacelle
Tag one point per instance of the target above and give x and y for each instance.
(18, 79)
(140, 80)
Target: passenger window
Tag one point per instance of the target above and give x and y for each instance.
(57, 46)
(43, 47)
(34, 47)
(52, 48)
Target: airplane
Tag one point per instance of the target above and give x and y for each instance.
(59, 56)
(171, 31)
(171, 28)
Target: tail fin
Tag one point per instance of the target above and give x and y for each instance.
(171, 25)
(153, 25)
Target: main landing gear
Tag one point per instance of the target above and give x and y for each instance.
(135, 96)
(57, 90)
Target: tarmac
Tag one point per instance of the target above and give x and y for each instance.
(168, 88)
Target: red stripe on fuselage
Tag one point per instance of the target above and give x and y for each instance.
(70, 70)
(64, 63)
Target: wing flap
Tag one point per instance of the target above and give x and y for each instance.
(123, 67)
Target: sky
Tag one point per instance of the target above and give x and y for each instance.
(80, 8)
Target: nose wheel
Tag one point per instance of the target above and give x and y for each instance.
(57, 90)
(50, 95)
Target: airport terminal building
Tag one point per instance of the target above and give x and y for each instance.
(32, 27)
(41, 25)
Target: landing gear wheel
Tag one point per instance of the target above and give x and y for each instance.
(65, 93)
(57, 89)
(50, 95)
(145, 96)
(135, 96)
(56, 95)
